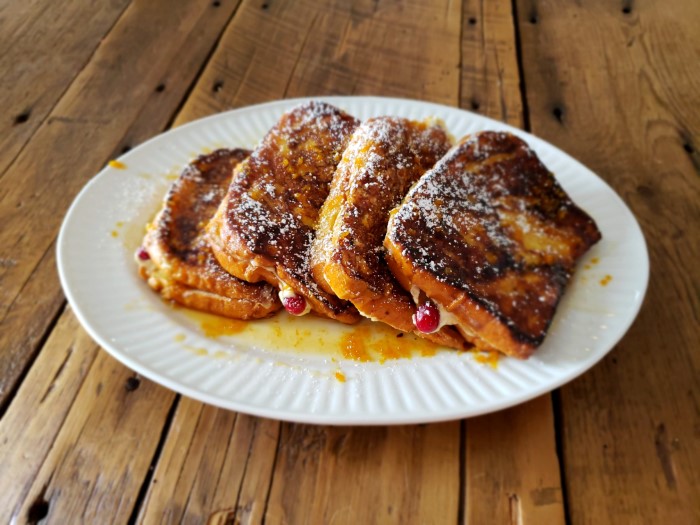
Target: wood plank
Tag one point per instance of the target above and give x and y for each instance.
(490, 81)
(201, 469)
(47, 393)
(406, 474)
(32, 35)
(252, 498)
(333, 48)
(93, 111)
(79, 480)
(511, 467)
(612, 84)
(27, 320)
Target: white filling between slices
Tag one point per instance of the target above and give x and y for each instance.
(446, 318)
(256, 264)
(204, 293)
(415, 293)
(286, 292)
(371, 318)
(157, 276)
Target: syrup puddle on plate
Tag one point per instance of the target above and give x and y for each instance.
(309, 335)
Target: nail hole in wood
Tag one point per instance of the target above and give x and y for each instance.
(132, 384)
(22, 117)
(216, 3)
(627, 10)
(475, 105)
(218, 86)
(558, 114)
(472, 21)
(264, 6)
(688, 148)
(160, 88)
(38, 511)
(534, 19)
(645, 191)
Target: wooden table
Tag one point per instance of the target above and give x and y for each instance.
(83, 440)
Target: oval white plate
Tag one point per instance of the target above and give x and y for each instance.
(105, 224)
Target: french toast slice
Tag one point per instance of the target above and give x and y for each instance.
(384, 157)
(176, 260)
(266, 225)
(491, 239)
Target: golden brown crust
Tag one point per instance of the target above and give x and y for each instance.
(478, 326)
(384, 157)
(233, 255)
(245, 308)
(182, 266)
(266, 225)
(491, 237)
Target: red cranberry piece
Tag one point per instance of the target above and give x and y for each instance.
(142, 254)
(295, 305)
(427, 318)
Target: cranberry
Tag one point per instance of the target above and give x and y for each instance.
(427, 318)
(142, 254)
(295, 305)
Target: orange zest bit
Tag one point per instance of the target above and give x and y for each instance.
(488, 358)
(352, 345)
(370, 343)
(340, 377)
(605, 280)
(117, 165)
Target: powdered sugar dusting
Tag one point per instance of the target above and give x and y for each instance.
(277, 193)
(490, 219)
(176, 240)
(385, 156)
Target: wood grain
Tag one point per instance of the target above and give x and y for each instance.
(218, 456)
(277, 49)
(366, 475)
(42, 52)
(46, 395)
(490, 80)
(512, 467)
(91, 121)
(613, 84)
(31, 315)
(103, 451)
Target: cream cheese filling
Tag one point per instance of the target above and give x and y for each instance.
(370, 317)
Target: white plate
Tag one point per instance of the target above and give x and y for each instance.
(250, 374)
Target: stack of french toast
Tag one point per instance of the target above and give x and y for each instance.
(468, 244)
